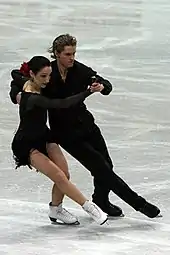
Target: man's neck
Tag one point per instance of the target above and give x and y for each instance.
(62, 70)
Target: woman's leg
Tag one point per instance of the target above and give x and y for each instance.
(56, 210)
(56, 155)
(43, 164)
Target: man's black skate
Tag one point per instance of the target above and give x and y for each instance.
(114, 210)
(150, 210)
(109, 208)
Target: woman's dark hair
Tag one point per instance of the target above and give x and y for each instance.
(35, 65)
(60, 42)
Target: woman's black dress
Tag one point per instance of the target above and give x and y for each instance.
(33, 132)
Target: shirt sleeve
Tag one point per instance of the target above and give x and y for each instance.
(107, 85)
(46, 103)
(16, 84)
(14, 90)
(92, 75)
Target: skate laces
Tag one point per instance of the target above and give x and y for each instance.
(93, 210)
(62, 210)
(66, 213)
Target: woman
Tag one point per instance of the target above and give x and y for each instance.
(33, 144)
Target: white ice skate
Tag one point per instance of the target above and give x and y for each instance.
(95, 212)
(60, 215)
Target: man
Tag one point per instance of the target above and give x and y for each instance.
(75, 130)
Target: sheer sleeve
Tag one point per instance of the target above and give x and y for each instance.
(46, 103)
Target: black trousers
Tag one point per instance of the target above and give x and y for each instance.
(91, 151)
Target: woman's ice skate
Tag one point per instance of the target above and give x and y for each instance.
(60, 215)
(95, 212)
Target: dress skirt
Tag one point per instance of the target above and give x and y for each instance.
(22, 146)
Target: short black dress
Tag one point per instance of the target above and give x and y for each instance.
(33, 132)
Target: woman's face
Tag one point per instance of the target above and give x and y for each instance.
(42, 78)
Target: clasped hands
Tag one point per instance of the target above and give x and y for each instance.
(96, 87)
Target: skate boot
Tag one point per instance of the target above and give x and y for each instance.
(60, 215)
(95, 212)
(107, 207)
(150, 210)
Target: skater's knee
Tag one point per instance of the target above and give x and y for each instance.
(60, 178)
(67, 174)
(105, 176)
(56, 155)
(65, 170)
(102, 171)
(64, 166)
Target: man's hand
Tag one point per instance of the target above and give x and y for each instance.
(96, 87)
(18, 98)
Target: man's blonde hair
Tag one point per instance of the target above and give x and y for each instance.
(60, 42)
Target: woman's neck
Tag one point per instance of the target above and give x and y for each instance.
(30, 86)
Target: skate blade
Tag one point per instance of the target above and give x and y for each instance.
(104, 222)
(58, 222)
(116, 217)
(159, 215)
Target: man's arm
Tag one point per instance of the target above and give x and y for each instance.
(106, 84)
(14, 91)
(103, 85)
(16, 85)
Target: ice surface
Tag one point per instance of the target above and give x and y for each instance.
(126, 41)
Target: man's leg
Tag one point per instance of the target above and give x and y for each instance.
(101, 194)
(99, 168)
(96, 140)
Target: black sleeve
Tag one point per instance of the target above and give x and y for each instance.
(46, 103)
(16, 84)
(107, 85)
(91, 74)
(14, 91)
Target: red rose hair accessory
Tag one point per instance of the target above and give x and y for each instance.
(25, 69)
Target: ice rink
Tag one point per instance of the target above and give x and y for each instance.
(128, 42)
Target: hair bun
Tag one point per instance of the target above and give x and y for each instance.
(24, 69)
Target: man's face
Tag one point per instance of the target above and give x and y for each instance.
(67, 56)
